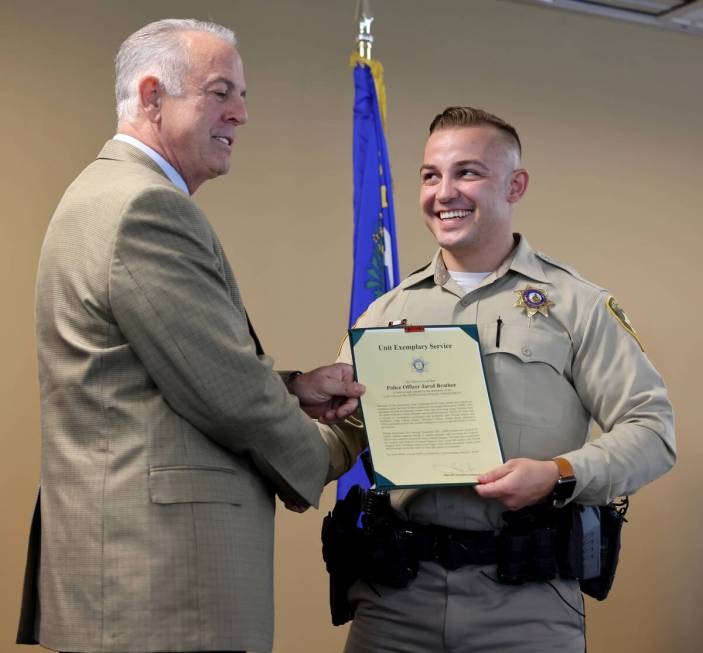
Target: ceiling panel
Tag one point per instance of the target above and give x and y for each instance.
(682, 16)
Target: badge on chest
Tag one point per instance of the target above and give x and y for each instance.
(533, 301)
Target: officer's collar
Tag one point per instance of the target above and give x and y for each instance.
(522, 259)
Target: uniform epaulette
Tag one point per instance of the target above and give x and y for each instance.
(420, 269)
(567, 268)
(409, 280)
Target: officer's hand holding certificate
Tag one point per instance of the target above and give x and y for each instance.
(427, 412)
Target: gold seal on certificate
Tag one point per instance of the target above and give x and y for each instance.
(426, 409)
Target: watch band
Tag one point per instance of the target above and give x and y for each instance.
(290, 376)
(566, 484)
(565, 468)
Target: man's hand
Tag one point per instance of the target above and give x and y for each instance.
(328, 393)
(520, 482)
(292, 505)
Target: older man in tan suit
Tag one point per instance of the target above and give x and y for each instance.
(165, 431)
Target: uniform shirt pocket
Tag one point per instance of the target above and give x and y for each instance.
(529, 390)
(193, 484)
(530, 345)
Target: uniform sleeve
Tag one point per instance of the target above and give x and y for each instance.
(170, 298)
(347, 440)
(628, 400)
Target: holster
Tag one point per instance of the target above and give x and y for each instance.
(341, 541)
(381, 552)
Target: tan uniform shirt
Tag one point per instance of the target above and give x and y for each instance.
(345, 442)
(548, 377)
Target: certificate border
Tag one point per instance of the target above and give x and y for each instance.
(471, 329)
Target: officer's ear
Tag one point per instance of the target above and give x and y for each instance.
(518, 184)
(150, 96)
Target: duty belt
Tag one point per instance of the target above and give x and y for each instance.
(536, 543)
(451, 548)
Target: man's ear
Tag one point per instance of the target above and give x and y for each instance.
(150, 97)
(518, 184)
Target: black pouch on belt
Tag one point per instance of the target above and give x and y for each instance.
(612, 517)
(526, 545)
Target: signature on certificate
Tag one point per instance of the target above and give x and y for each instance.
(455, 469)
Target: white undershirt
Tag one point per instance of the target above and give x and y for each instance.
(168, 169)
(468, 280)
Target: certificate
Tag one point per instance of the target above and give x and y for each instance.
(426, 409)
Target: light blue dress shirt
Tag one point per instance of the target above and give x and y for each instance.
(168, 169)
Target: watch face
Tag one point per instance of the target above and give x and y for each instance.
(564, 488)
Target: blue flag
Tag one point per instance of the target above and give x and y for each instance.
(375, 248)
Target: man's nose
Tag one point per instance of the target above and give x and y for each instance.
(446, 190)
(238, 111)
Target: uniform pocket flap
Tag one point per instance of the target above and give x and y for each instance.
(191, 484)
(529, 345)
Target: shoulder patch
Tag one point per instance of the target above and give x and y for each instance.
(621, 318)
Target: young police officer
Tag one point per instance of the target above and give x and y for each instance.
(558, 351)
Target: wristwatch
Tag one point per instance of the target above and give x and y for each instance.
(565, 485)
(289, 376)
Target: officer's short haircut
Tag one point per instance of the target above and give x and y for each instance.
(469, 117)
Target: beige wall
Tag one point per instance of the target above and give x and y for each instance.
(611, 117)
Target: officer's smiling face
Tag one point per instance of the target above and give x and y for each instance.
(470, 179)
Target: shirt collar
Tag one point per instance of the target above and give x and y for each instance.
(522, 259)
(173, 174)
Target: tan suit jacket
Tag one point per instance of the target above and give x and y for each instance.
(164, 434)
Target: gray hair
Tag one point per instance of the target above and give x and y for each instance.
(157, 49)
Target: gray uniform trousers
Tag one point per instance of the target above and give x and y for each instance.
(465, 611)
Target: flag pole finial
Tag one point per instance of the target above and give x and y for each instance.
(364, 18)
